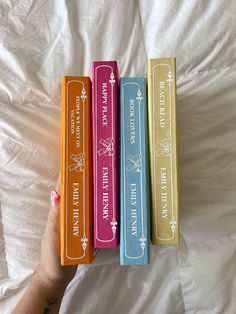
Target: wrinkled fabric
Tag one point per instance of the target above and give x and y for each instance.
(42, 40)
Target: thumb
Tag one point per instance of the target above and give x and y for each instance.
(51, 237)
(53, 215)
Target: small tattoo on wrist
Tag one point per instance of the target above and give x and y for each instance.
(51, 301)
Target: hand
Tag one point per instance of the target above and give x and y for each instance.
(50, 269)
(47, 287)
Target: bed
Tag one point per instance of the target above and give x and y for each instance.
(42, 40)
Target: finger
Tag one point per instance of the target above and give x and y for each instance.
(53, 215)
(55, 199)
(58, 185)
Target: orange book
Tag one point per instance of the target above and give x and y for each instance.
(76, 178)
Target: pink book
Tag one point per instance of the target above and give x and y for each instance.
(105, 153)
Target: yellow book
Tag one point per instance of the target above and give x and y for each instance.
(163, 152)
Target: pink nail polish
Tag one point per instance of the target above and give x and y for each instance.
(55, 198)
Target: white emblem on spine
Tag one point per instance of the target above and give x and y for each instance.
(113, 224)
(107, 147)
(165, 149)
(134, 163)
(143, 242)
(139, 96)
(173, 224)
(83, 94)
(170, 77)
(112, 79)
(84, 241)
(78, 164)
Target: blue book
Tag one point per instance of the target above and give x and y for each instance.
(134, 178)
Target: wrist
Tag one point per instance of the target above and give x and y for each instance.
(42, 278)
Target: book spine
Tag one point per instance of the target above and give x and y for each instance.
(76, 176)
(163, 153)
(134, 178)
(105, 154)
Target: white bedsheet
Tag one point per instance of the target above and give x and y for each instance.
(42, 40)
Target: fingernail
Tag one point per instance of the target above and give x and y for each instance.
(55, 198)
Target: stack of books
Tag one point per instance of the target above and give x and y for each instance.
(119, 183)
